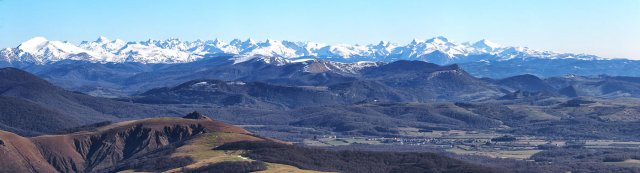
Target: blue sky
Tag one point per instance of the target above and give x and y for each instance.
(600, 27)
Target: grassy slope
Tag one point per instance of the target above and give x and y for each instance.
(200, 149)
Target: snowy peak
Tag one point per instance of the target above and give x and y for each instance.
(217, 42)
(102, 39)
(40, 50)
(33, 45)
(438, 40)
(248, 42)
(415, 41)
(486, 45)
(384, 44)
(437, 50)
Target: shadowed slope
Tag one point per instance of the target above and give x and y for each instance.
(32, 106)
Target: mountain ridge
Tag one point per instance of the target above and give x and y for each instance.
(27, 100)
(438, 50)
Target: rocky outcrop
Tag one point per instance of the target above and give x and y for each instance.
(195, 115)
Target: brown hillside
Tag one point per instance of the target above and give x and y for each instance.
(19, 154)
(100, 149)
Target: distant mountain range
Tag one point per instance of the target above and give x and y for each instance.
(439, 50)
(481, 59)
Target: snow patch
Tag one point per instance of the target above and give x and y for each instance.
(236, 83)
(200, 84)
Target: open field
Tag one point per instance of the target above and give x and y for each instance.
(328, 142)
(280, 168)
(514, 154)
(479, 143)
(627, 163)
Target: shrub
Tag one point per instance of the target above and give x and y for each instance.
(230, 167)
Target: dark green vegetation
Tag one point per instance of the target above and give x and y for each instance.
(589, 160)
(158, 163)
(353, 161)
(230, 167)
(551, 160)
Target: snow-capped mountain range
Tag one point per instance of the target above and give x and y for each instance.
(439, 50)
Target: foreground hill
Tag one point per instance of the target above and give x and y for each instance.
(102, 148)
(187, 145)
